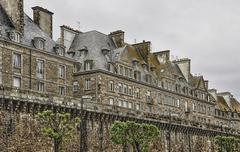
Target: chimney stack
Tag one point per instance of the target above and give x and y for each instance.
(185, 67)
(118, 38)
(43, 18)
(14, 10)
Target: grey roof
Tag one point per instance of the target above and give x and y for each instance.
(94, 42)
(31, 30)
(4, 20)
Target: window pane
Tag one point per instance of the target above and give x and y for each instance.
(17, 60)
(40, 69)
(16, 82)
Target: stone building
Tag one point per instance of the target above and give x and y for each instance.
(105, 73)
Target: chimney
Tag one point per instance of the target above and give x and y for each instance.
(67, 36)
(118, 38)
(14, 10)
(213, 92)
(185, 67)
(43, 18)
(163, 56)
(144, 48)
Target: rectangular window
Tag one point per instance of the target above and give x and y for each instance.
(40, 44)
(159, 99)
(61, 90)
(148, 95)
(111, 101)
(75, 86)
(130, 91)
(149, 108)
(125, 89)
(61, 51)
(40, 69)
(111, 86)
(125, 104)
(88, 65)
(130, 73)
(138, 106)
(17, 82)
(120, 89)
(87, 84)
(61, 71)
(130, 105)
(17, 62)
(137, 75)
(40, 86)
(120, 103)
(121, 70)
(126, 71)
(137, 93)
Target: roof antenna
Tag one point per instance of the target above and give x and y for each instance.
(135, 41)
(79, 25)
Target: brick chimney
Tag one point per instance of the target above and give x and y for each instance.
(118, 38)
(14, 10)
(43, 18)
(185, 67)
(163, 56)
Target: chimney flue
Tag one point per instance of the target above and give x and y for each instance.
(43, 18)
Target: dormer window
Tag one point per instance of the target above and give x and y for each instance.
(105, 51)
(88, 65)
(135, 62)
(83, 51)
(39, 43)
(60, 50)
(145, 66)
(148, 78)
(137, 75)
(15, 36)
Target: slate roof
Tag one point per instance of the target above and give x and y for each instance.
(94, 41)
(222, 104)
(31, 30)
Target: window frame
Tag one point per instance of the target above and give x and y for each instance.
(62, 68)
(20, 82)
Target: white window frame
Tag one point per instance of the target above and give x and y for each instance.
(62, 92)
(130, 105)
(137, 106)
(75, 86)
(137, 92)
(15, 82)
(87, 85)
(125, 89)
(40, 86)
(17, 60)
(111, 85)
(61, 71)
(111, 101)
(120, 87)
(40, 69)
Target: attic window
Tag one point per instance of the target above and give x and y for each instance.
(15, 36)
(83, 51)
(60, 50)
(39, 43)
(88, 65)
(135, 62)
(105, 51)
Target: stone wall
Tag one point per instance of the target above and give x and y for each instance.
(27, 72)
(20, 132)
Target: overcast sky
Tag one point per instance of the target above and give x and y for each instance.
(206, 31)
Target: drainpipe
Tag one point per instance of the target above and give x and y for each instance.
(30, 70)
